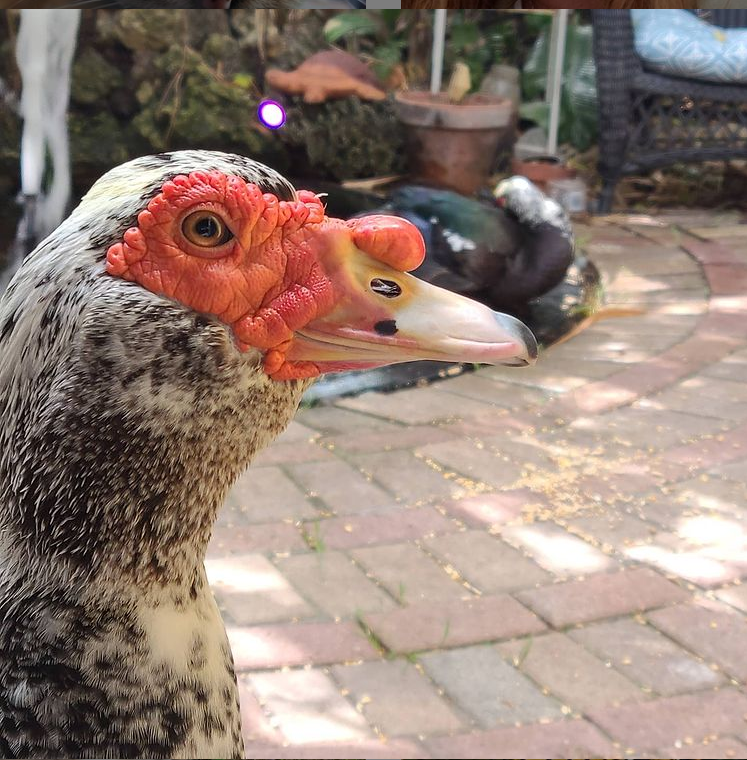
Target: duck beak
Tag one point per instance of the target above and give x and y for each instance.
(384, 316)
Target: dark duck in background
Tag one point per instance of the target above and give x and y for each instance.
(158, 339)
(504, 254)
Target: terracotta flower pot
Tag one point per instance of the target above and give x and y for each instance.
(453, 145)
(542, 170)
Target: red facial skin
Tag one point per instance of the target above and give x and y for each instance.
(273, 277)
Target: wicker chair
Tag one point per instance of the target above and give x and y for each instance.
(648, 119)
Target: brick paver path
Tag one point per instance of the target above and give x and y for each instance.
(516, 563)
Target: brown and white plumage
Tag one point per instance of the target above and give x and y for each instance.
(127, 415)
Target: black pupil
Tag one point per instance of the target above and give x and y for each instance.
(386, 288)
(207, 227)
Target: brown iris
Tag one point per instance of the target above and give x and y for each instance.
(205, 229)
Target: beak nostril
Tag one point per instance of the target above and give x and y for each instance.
(386, 327)
(386, 288)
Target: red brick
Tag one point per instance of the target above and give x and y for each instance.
(488, 509)
(617, 528)
(267, 538)
(571, 673)
(641, 379)
(332, 582)
(339, 486)
(557, 550)
(726, 280)
(479, 464)
(707, 396)
(498, 420)
(250, 591)
(615, 485)
(600, 596)
(623, 282)
(706, 750)
(255, 723)
(736, 470)
(597, 397)
(646, 656)
(700, 350)
(568, 738)
(266, 494)
(731, 367)
(725, 447)
(494, 385)
(721, 325)
(704, 566)
(276, 646)
(306, 706)
(668, 235)
(708, 252)
(397, 698)
(702, 496)
(418, 406)
(408, 478)
(385, 527)
(486, 562)
(286, 453)
(731, 304)
(453, 623)
(329, 419)
(408, 573)
(663, 722)
(715, 632)
(635, 428)
(667, 471)
(736, 596)
(405, 438)
(374, 748)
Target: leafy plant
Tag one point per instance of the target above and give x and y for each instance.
(392, 37)
(381, 36)
(480, 39)
(578, 109)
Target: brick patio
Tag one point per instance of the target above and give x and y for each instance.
(516, 563)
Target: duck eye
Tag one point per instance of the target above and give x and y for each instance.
(205, 229)
(386, 288)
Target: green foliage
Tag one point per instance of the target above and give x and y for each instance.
(578, 106)
(344, 139)
(380, 36)
(93, 78)
(244, 80)
(480, 41)
(101, 140)
(386, 56)
(186, 104)
(353, 23)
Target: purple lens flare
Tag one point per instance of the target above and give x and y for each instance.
(271, 114)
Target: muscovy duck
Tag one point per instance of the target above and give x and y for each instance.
(149, 347)
(504, 254)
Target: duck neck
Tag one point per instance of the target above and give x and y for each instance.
(117, 472)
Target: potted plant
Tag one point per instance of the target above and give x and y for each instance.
(453, 135)
(452, 142)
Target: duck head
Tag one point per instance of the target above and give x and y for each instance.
(522, 199)
(311, 293)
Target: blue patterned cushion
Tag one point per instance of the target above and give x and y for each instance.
(679, 43)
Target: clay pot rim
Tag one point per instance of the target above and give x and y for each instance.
(440, 100)
(542, 169)
(421, 108)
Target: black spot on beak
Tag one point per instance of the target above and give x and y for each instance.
(386, 327)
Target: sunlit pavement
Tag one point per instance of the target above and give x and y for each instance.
(516, 563)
